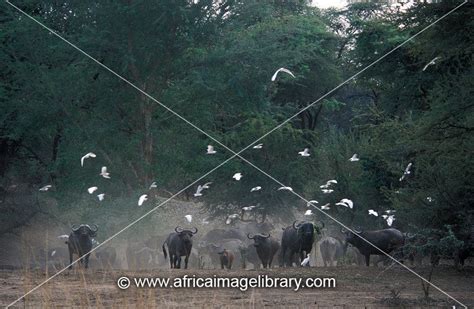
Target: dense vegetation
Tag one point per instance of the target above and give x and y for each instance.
(211, 63)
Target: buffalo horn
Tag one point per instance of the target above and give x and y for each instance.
(295, 226)
(196, 230)
(248, 236)
(178, 229)
(74, 227)
(265, 236)
(94, 228)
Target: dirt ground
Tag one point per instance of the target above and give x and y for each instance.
(357, 287)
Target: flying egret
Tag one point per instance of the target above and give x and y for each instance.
(153, 185)
(101, 196)
(45, 188)
(346, 203)
(259, 146)
(373, 213)
(328, 183)
(406, 172)
(308, 212)
(257, 188)
(354, 158)
(306, 261)
(206, 185)
(325, 207)
(210, 150)
(142, 199)
(237, 176)
(311, 202)
(248, 208)
(327, 191)
(189, 218)
(53, 253)
(65, 237)
(231, 218)
(104, 173)
(200, 188)
(285, 188)
(198, 191)
(87, 156)
(432, 62)
(281, 70)
(92, 190)
(304, 153)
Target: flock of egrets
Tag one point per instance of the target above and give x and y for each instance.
(326, 188)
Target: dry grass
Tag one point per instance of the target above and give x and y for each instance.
(356, 288)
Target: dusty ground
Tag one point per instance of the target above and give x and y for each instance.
(357, 287)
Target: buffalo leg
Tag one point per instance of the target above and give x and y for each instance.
(367, 259)
(282, 257)
(171, 261)
(178, 262)
(70, 259)
(86, 260)
(186, 259)
(289, 258)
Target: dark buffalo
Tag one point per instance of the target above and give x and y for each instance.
(297, 239)
(266, 247)
(386, 240)
(80, 242)
(212, 250)
(179, 244)
(227, 258)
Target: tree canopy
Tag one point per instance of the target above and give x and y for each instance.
(211, 62)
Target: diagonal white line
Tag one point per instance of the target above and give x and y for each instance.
(349, 229)
(122, 230)
(234, 153)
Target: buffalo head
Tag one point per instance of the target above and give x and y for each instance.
(258, 239)
(350, 235)
(185, 235)
(85, 230)
(304, 229)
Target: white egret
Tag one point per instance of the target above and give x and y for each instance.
(281, 70)
(142, 199)
(87, 156)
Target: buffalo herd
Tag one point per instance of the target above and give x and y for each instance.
(251, 244)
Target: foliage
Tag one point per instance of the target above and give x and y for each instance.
(211, 62)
